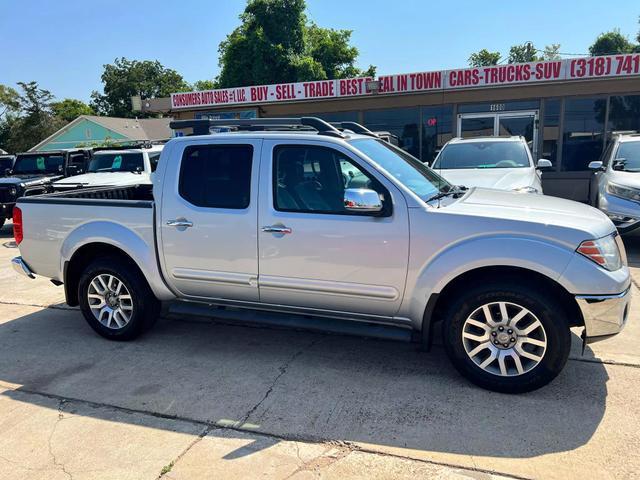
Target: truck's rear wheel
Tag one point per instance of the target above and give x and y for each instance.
(2, 220)
(116, 300)
(507, 337)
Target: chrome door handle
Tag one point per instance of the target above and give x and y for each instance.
(180, 223)
(276, 229)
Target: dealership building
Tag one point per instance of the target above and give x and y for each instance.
(566, 109)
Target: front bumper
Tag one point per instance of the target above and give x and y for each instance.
(21, 267)
(604, 315)
(624, 213)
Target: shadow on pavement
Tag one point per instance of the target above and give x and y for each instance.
(632, 245)
(298, 385)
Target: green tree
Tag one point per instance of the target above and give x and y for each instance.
(484, 58)
(275, 44)
(36, 120)
(69, 109)
(523, 53)
(200, 85)
(551, 52)
(610, 43)
(9, 101)
(126, 78)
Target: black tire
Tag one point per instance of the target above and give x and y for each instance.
(2, 220)
(146, 307)
(548, 310)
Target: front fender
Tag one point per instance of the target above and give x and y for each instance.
(433, 276)
(141, 249)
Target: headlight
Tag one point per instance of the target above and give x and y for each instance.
(604, 251)
(623, 192)
(13, 191)
(526, 190)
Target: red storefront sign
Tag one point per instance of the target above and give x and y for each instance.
(480, 77)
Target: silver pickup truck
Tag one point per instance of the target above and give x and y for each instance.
(309, 223)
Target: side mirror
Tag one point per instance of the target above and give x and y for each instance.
(362, 200)
(543, 163)
(60, 168)
(8, 172)
(596, 165)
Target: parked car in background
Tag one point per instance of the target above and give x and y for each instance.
(6, 164)
(504, 163)
(116, 166)
(618, 181)
(33, 172)
(326, 228)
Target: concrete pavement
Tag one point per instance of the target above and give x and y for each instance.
(199, 399)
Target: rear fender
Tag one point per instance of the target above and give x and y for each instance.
(142, 251)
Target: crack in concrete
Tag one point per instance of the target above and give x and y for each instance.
(60, 465)
(282, 370)
(197, 440)
(52, 306)
(321, 461)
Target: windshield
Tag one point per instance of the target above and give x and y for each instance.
(409, 171)
(116, 162)
(489, 154)
(38, 164)
(628, 157)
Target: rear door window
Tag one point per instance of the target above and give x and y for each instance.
(216, 176)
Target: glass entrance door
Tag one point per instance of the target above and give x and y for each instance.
(524, 123)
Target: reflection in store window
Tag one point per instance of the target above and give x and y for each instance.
(583, 132)
(436, 130)
(624, 113)
(402, 122)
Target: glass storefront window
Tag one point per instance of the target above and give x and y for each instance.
(551, 129)
(401, 122)
(583, 132)
(436, 130)
(624, 113)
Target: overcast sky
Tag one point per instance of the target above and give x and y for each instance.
(63, 44)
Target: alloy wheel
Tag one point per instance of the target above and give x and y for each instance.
(504, 339)
(110, 301)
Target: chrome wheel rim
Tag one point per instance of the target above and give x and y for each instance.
(504, 339)
(110, 301)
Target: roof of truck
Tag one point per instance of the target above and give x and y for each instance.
(278, 134)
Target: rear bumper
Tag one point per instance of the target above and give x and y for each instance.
(21, 267)
(604, 315)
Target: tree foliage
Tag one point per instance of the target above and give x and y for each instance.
(9, 101)
(200, 85)
(34, 120)
(610, 43)
(126, 78)
(484, 58)
(523, 53)
(69, 109)
(276, 44)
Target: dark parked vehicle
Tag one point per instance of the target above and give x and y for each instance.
(6, 163)
(33, 172)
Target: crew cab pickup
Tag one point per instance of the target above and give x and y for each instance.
(33, 172)
(275, 220)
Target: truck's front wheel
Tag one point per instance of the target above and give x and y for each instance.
(507, 336)
(116, 300)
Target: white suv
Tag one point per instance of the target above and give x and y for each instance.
(504, 163)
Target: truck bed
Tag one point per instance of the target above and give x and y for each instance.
(51, 223)
(129, 196)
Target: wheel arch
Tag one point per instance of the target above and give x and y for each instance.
(74, 267)
(437, 302)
